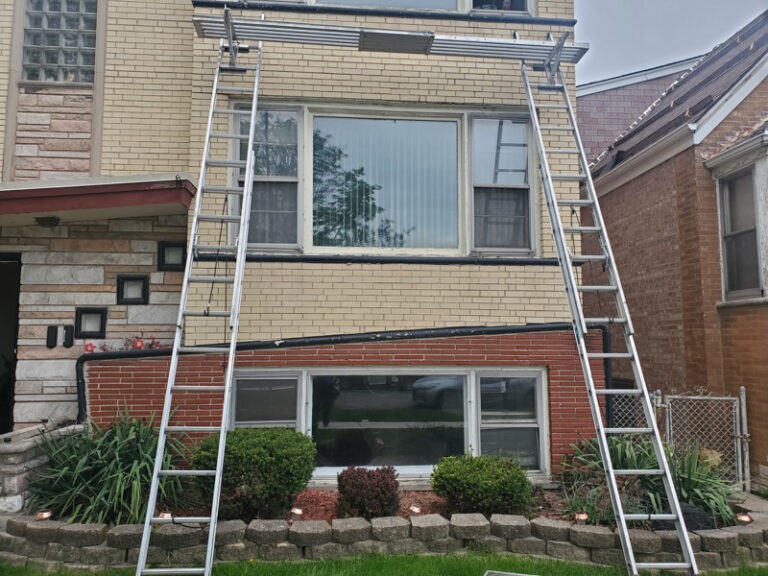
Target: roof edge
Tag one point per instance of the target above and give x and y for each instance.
(741, 149)
(636, 77)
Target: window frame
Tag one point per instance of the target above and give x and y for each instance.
(306, 114)
(471, 405)
(462, 7)
(724, 219)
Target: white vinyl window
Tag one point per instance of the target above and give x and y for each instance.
(389, 185)
(59, 41)
(409, 418)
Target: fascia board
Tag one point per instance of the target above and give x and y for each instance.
(720, 111)
(672, 144)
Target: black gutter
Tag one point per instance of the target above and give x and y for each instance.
(382, 336)
(392, 13)
(354, 259)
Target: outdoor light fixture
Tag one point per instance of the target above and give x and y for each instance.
(415, 508)
(165, 515)
(296, 514)
(744, 518)
(581, 517)
(43, 515)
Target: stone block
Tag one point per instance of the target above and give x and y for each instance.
(444, 545)
(488, 543)
(6, 542)
(125, 536)
(237, 551)
(429, 527)
(567, 551)
(607, 556)
(368, 547)
(588, 536)
(279, 551)
(152, 314)
(44, 531)
(63, 552)
(101, 554)
(530, 545)
(670, 541)
(327, 550)
(227, 532)
(760, 554)
(11, 504)
(188, 556)
(267, 531)
(79, 569)
(737, 559)
(718, 540)
(174, 536)
(43, 565)
(469, 526)
(62, 275)
(24, 547)
(18, 526)
(155, 555)
(659, 557)
(549, 529)
(708, 560)
(644, 541)
(10, 559)
(310, 532)
(390, 528)
(407, 546)
(748, 536)
(348, 530)
(82, 534)
(510, 526)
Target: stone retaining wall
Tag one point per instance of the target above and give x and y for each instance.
(53, 545)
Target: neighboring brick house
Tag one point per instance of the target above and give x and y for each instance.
(455, 338)
(684, 193)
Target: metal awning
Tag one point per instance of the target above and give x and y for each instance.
(380, 40)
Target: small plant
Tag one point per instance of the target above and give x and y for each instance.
(369, 493)
(264, 470)
(102, 475)
(486, 484)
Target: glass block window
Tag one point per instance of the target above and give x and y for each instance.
(59, 41)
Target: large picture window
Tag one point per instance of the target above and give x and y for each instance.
(409, 419)
(59, 41)
(384, 185)
(739, 229)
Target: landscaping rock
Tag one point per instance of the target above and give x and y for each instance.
(6, 542)
(567, 551)
(644, 541)
(760, 554)
(348, 530)
(749, 536)
(510, 526)
(659, 557)
(708, 560)
(125, 536)
(549, 529)
(10, 559)
(718, 541)
(488, 544)
(407, 546)
(445, 546)
(155, 555)
(670, 541)
(43, 565)
(18, 526)
(101, 554)
(237, 551)
(589, 536)
(279, 552)
(368, 547)
(327, 550)
(469, 526)
(267, 531)
(736, 559)
(44, 531)
(531, 545)
(174, 536)
(429, 527)
(63, 552)
(82, 534)
(227, 532)
(390, 528)
(24, 547)
(607, 556)
(188, 556)
(310, 533)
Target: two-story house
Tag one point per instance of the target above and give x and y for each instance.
(402, 298)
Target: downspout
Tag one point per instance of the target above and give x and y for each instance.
(385, 336)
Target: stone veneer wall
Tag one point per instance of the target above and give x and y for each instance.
(52, 545)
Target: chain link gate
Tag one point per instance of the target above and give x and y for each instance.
(717, 424)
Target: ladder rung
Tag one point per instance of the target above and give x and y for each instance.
(551, 87)
(569, 177)
(238, 111)
(617, 355)
(201, 388)
(182, 520)
(582, 229)
(223, 190)
(605, 320)
(193, 428)
(576, 202)
(560, 127)
(662, 566)
(552, 106)
(213, 279)
(187, 472)
(234, 69)
(638, 472)
(628, 430)
(169, 571)
(218, 218)
(207, 313)
(608, 288)
(235, 90)
(584, 258)
(563, 151)
(203, 349)
(229, 136)
(649, 517)
(619, 391)
(221, 248)
(218, 163)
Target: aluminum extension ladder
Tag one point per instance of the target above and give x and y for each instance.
(554, 123)
(222, 181)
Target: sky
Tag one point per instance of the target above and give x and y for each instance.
(631, 35)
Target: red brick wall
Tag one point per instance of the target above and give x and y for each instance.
(139, 384)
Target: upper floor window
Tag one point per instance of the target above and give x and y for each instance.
(59, 41)
(741, 265)
(505, 5)
(411, 4)
(380, 184)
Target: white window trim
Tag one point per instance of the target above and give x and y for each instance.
(465, 210)
(471, 401)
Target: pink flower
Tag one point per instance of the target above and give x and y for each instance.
(138, 344)
(90, 347)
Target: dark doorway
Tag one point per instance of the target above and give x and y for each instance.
(10, 287)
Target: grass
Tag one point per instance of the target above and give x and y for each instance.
(451, 565)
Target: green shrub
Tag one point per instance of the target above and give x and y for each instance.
(698, 482)
(264, 470)
(486, 484)
(368, 493)
(102, 475)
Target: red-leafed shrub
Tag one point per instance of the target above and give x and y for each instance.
(369, 493)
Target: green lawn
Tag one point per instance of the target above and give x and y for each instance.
(460, 565)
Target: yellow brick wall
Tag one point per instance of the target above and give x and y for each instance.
(147, 91)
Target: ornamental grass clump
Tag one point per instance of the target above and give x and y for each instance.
(264, 470)
(102, 475)
(370, 493)
(485, 484)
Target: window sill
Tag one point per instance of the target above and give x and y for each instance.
(750, 301)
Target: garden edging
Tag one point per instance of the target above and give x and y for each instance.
(52, 545)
